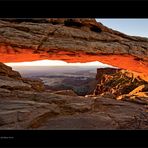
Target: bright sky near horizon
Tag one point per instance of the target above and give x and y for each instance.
(55, 63)
(134, 27)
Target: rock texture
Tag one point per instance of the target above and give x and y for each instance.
(120, 99)
(71, 40)
(12, 80)
(122, 84)
(23, 106)
(51, 111)
(105, 114)
(7, 71)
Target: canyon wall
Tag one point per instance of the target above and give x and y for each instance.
(121, 85)
(12, 80)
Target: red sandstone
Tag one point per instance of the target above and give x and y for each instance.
(121, 61)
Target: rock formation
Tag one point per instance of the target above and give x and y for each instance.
(12, 80)
(71, 40)
(121, 84)
(120, 99)
(7, 71)
(24, 106)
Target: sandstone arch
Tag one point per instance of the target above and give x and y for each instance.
(82, 40)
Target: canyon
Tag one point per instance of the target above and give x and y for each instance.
(119, 99)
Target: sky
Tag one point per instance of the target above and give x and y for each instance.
(134, 27)
(55, 63)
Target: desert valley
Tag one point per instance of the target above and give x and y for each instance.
(112, 95)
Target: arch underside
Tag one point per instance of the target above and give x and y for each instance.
(123, 61)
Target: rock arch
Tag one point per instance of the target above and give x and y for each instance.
(36, 39)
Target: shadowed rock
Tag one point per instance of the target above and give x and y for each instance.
(7, 71)
(12, 80)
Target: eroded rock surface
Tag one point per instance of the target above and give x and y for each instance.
(106, 114)
(122, 85)
(12, 80)
(7, 71)
(52, 111)
(34, 109)
(72, 40)
(16, 114)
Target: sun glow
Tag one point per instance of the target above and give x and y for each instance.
(55, 63)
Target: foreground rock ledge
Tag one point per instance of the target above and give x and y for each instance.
(23, 105)
(71, 40)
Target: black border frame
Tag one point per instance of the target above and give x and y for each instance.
(75, 138)
(72, 8)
